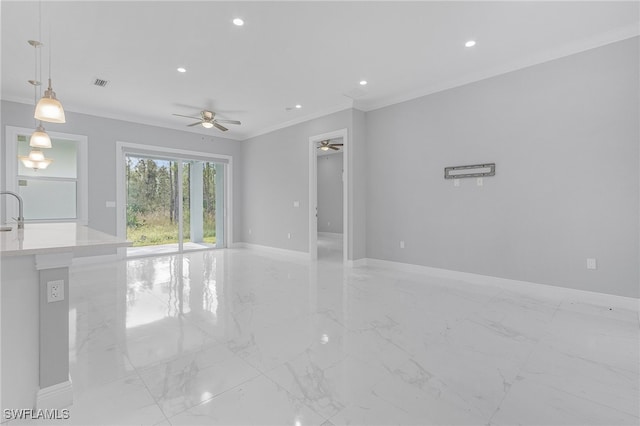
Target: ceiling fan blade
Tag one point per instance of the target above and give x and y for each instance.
(194, 124)
(228, 121)
(224, 129)
(186, 116)
(337, 144)
(334, 148)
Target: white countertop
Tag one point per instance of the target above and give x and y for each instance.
(43, 238)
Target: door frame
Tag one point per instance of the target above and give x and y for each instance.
(313, 192)
(124, 148)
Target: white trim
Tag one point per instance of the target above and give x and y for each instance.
(327, 111)
(505, 283)
(180, 207)
(357, 263)
(53, 260)
(228, 205)
(82, 178)
(313, 191)
(272, 250)
(123, 148)
(93, 260)
(56, 396)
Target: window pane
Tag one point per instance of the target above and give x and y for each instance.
(152, 208)
(63, 153)
(48, 199)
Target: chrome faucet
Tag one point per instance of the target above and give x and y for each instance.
(20, 218)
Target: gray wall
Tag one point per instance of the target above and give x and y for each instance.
(103, 133)
(330, 193)
(564, 136)
(276, 173)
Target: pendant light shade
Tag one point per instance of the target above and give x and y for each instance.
(40, 138)
(49, 108)
(36, 160)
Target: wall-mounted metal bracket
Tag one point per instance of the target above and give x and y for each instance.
(475, 170)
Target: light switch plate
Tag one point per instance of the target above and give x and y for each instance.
(591, 263)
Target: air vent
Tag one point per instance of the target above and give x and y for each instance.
(100, 82)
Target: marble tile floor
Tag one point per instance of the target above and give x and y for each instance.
(242, 337)
(164, 249)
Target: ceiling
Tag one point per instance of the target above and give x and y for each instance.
(287, 53)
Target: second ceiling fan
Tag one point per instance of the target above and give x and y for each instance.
(327, 145)
(208, 120)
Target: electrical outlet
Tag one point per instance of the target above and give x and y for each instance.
(591, 263)
(55, 291)
(402, 244)
(249, 231)
(480, 181)
(456, 182)
(289, 235)
(328, 223)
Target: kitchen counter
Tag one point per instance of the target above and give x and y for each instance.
(44, 238)
(34, 302)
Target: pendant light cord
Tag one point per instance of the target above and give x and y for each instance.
(39, 39)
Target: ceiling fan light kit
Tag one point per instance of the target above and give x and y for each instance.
(327, 145)
(208, 120)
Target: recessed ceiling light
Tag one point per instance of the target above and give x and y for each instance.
(238, 22)
(470, 43)
(182, 69)
(363, 82)
(298, 106)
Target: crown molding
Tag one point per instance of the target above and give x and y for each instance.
(299, 120)
(603, 39)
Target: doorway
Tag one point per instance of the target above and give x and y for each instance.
(172, 201)
(330, 159)
(328, 216)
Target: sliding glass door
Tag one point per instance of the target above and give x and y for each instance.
(203, 204)
(173, 204)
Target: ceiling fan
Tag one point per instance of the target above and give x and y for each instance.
(208, 120)
(327, 145)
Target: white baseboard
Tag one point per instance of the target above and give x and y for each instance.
(505, 283)
(56, 396)
(358, 263)
(92, 260)
(273, 250)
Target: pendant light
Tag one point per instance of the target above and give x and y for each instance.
(49, 107)
(35, 160)
(39, 138)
